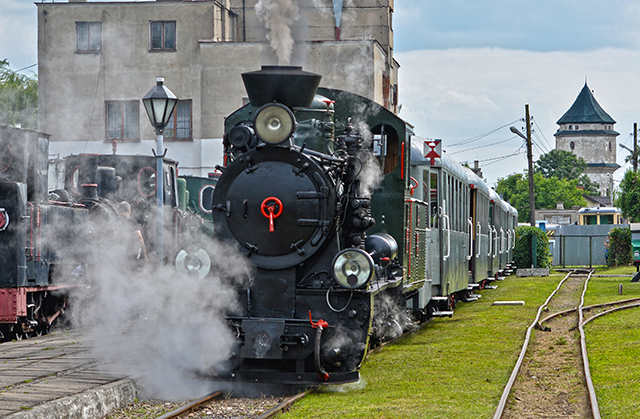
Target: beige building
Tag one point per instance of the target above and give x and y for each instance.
(98, 59)
(588, 131)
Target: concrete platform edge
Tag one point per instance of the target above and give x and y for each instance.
(91, 404)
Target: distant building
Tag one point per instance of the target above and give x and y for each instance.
(587, 131)
(96, 60)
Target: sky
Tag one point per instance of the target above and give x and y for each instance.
(468, 67)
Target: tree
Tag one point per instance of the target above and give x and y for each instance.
(629, 197)
(18, 98)
(565, 165)
(548, 192)
(522, 251)
(560, 164)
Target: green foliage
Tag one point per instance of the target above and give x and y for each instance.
(589, 187)
(18, 98)
(548, 192)
(560, 164)
(522, 251)
(619, 247)
(628, 199)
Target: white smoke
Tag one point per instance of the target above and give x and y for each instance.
(160, 328)
(278, 17)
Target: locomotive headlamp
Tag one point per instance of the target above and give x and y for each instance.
(274, 123)
(194, 262)
(353, 268)
(4, 219)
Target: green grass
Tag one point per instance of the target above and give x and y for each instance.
(613, 341)
(451, 368)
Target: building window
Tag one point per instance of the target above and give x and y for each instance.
(179, 125)
(123, 120)
(163, 36)
(572, 145)
(88, 36)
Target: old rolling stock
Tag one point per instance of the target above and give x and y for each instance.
(341, 261)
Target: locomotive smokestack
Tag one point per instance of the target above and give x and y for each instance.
(290, 86)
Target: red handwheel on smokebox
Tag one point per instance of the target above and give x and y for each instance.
(271, 208)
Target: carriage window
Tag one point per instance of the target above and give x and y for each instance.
(434, 199)
(75, 180)
(147, 181)
(389, 160)
(206, 196)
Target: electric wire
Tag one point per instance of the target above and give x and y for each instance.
(484, 145)
(539, 130)
(481, 136)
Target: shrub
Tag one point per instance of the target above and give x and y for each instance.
(522, 251)
(619, 247)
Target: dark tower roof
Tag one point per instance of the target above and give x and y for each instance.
(585, 110)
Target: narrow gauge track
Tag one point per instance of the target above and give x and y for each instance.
(544, 401)
(551, 377)
(225, 408)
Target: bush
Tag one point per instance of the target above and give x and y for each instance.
(522, 251)
(619, 247)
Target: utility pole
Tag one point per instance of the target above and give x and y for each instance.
(635, 147)
(532, 202)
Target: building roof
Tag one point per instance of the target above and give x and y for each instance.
(585, 109)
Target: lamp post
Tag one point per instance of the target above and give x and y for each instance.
(532, 205)
(159, 103)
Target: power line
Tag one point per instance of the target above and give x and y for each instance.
(547, 143)
(24, 68)
(481, 136)
(485, 145)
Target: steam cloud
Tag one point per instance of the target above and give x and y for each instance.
(159, 328)
(278, 17)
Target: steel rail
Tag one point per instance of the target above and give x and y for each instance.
(587, 308)
(191, 406)
(612, 310)
(595, 409)
(285, 405)
(516, 369)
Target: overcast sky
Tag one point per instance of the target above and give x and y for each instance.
(468, 68)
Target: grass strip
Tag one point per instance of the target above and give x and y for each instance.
(450, 368)
(612, 342)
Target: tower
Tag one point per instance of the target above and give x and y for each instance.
(587, 131)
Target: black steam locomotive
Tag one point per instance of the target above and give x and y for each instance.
(340, 260)
(38, 264)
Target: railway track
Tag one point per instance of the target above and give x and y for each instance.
(552, 376)
(233, 407)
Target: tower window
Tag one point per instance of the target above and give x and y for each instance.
(572, 145)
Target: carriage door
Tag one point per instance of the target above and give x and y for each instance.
(473, 244)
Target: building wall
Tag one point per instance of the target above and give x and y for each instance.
(205, 67)
(596, 144)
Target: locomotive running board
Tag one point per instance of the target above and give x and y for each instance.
(442, 313)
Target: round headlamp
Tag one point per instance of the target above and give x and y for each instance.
(274, 123)
(193, 262)
(353, 268)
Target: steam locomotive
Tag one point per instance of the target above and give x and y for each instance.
(50, 242)
(39, 268)
(340, 261)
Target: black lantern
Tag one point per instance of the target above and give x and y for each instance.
(159, 103)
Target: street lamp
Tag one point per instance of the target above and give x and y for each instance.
(159, 103)
(634, 157)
